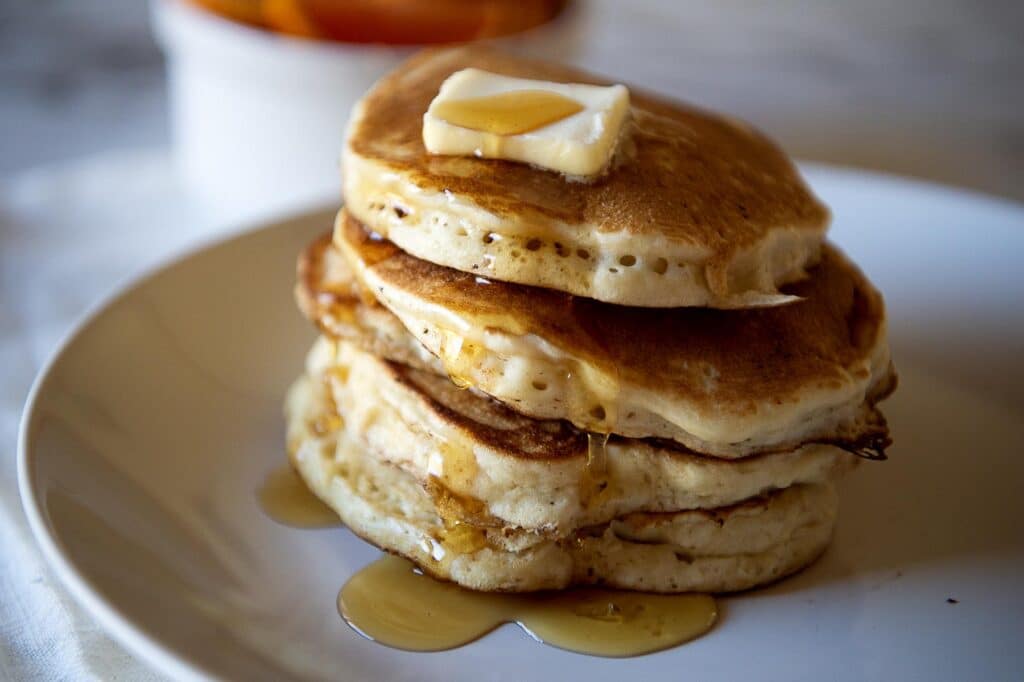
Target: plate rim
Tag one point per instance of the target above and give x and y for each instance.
(145, 646)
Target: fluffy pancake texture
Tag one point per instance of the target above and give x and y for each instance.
(477, 457)
(650, 379)
(698, 209)
(328, 294)
(725, 383)
(722, 549)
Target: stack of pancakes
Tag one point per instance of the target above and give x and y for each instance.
(650, 381)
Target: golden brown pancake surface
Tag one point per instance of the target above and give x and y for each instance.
(691, 177)
(729, 359)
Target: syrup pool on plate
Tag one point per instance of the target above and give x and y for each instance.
(284, 497)
(391, 602)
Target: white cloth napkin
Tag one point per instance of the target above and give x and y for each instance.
(69, 235)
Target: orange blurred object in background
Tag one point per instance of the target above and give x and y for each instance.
(391, 22)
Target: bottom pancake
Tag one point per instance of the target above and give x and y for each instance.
(716, 550)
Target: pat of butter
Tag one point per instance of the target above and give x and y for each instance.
(569, 128)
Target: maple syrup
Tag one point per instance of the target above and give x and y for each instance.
(462, 538)
(459, 358)
(459, 466)
(285, 498)
(508, 113)
(392, 603)
(594, 480)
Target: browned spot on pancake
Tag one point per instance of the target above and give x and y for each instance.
(493, 424)
(642, 519)
(695, 177)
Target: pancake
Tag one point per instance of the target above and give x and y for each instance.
(698, 209)
(724, 383)
(329, 296)
(714, 550)
(477, 457)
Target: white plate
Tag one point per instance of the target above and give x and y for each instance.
(147, 435)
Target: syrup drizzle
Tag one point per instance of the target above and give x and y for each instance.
(284, 497)
(391, 603)
(508, 113)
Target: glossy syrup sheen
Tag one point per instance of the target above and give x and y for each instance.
(459, 358)
(508, 113)
(594, 480)
(391, 603)
(284, 497)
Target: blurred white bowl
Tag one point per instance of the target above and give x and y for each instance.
(257, 117)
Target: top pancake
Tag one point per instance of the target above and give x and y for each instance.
(698, 210)
(728, 383)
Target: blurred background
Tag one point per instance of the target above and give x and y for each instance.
(132, 130)
(929, 88)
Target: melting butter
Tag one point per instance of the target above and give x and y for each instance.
(391, 603)
(493, 116)
(508, 113)
(284, 497)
